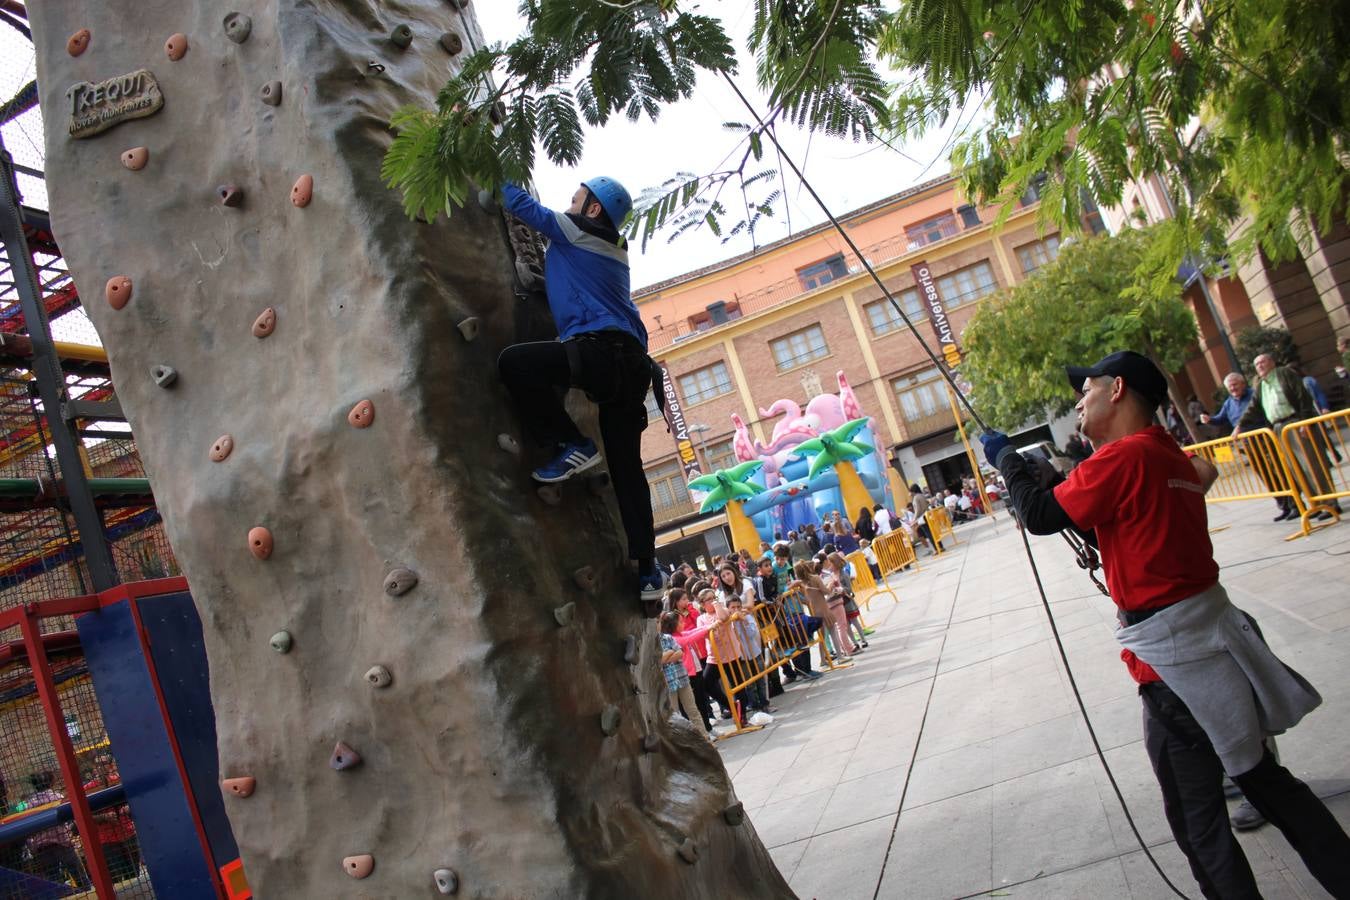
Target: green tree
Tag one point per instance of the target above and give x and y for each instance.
(1071, 312)
(1254, 341)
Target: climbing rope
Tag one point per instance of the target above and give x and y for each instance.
(1084, 553)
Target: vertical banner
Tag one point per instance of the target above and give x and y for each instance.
(684, 447)
(937, 314)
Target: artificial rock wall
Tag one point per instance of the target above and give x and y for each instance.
(322, 424)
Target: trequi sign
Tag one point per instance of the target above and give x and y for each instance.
(95, 108)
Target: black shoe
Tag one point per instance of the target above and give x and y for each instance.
(1321, 516)
(1246, 817)
(1285, 514)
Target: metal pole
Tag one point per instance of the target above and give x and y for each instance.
(970, 455)
(51, 383)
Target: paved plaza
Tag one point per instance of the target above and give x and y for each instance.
(951, 760)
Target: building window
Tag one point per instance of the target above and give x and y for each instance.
(923, 401)
(718, 456)
(653, 408)
(966, 285)
(970, 216)
(667, 485)
(1038, 253)
(882, 317)
(823, 272)
(1092, 216)
(706, 383)
(932, 231)
(1034, 190)
(799, 347)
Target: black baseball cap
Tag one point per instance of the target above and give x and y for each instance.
(1139, 373)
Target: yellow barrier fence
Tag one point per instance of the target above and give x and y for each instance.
(1309, 447)
(940, 526)
(894, 551)
(1252, 466)
(783, 637)
(865, 585)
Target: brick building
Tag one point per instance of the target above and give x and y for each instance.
(740, 334)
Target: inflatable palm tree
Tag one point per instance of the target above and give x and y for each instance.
(729, 488)
(838, 450)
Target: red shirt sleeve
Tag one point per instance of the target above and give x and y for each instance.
(1092, 493)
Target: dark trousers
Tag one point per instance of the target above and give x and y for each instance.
(59, 863)
(614, 371)
(701, 699)
(712, 683)
(802, 662)
(1191, 778)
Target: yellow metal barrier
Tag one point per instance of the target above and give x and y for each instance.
(782, 633)
(1309, 446)
(1252, 466)
(864, 581)
(940, 526)
(894, 551)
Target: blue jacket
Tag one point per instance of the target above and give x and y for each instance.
(1231, 412)
(1319, 398)
(586, 277)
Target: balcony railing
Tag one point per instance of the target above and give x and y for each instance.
(938, 421)
(670, 512)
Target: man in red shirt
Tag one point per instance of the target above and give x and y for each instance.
(1141, 501)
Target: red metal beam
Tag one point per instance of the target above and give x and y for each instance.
(65, 753)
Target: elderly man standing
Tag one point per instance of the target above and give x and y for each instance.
(1282, 398)
(1212, 690)
(1240, 396)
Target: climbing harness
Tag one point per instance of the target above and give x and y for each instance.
(1085, 554)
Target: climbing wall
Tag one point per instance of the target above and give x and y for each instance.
(427, 676)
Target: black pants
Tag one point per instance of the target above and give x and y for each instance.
(701, 699)
(1191, 778)
(614, 371)
(712, 683)
(59, 863)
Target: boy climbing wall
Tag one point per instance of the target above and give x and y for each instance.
(601, 349)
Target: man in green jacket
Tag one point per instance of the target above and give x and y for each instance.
(1282, 397)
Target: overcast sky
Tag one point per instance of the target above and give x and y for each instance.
(689, 137)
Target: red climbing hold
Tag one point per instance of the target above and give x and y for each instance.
(344, 758)
(359, 866)
(260, 542)
(222, 448)
(303, 191)
(240, 787)
(118, 291)
(266, 323)
(136, 158)
(176, 47)
(362, 415)
(78, 42)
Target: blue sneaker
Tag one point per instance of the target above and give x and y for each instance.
(573, 458)
(652, 584)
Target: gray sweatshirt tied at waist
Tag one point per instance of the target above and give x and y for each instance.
(1208, 653)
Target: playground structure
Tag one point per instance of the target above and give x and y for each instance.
(787, 489)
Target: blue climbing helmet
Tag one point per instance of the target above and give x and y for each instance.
(614, 198)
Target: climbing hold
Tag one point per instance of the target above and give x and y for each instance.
(260, 542)
(344, 758)
(585, 578)
(164, 376)
(565, 614)
(270, 93)
(136, 158)
(609, 720)
(630, 650)
(361, 415)
(485, 200)
(401, 36)
(452, 43)
(399, 582)
(231, 195)
(379, 676)
(689, 851)
(302, 191)
(266, 323)
(240, 787)
(281, 642)
(650, 743)
(221, 448)
(78, 42)
(530, 277)
(550, 494)
(238, 27)
(509, 444)
(359, 866)
(469, 328)
(118, 291)
(447, 882)
(734, 814)
(176, 46)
